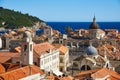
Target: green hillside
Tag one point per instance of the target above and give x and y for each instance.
(14, 19)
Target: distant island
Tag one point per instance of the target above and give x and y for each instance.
(15, 19)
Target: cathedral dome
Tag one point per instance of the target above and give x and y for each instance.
(94, 25)
(90, 50)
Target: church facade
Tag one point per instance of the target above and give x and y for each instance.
(91, 60)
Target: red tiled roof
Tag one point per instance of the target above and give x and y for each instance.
(62, 48)
(110, 53)
(66, 78)
(85, 73)
(30, 30)
(104, 72)
(20, 73)
(2, 69)
(13, 33)
(21, 29)
(11, 66)
(18, 49)
(52, 77)
(56, 32)
(100, 31)
(8, 35)
(5, 56)
(43, 48)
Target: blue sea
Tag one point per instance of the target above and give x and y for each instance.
(60, 26)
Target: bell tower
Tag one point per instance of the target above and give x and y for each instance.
(27, 49)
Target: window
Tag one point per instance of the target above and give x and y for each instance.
(30, 47)
(61, 60)
(25, 47)
(61, 69)
(61, 42)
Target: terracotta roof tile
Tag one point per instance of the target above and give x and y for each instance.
(18, 49)
(110, 53)
(62, 48)
(104, 72)
(2, 69)
(23, 72)
(84, 73)
(21, 29)
(101, 49)
(43, 48)
(13, 33)
(100, 31)
(7, 35)
(30, 30)
(51, 77)
(56, 32)
(10, 66)
(5, 56)
(66, 78)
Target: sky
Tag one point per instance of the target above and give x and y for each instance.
(67, 10)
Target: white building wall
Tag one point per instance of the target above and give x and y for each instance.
(30, 55)
(34, 77)
(48, 31)
(0, 43)
(50, 61)
(27, 53)
(65, 61)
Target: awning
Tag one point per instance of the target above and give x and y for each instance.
(57, 73)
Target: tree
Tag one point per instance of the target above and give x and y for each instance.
(68, 29)
(16, 19)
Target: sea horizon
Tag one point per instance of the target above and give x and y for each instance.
(81, 21)
(60, 26)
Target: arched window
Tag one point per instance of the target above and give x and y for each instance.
(107, 65)
(25, 47)
(85, 67)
